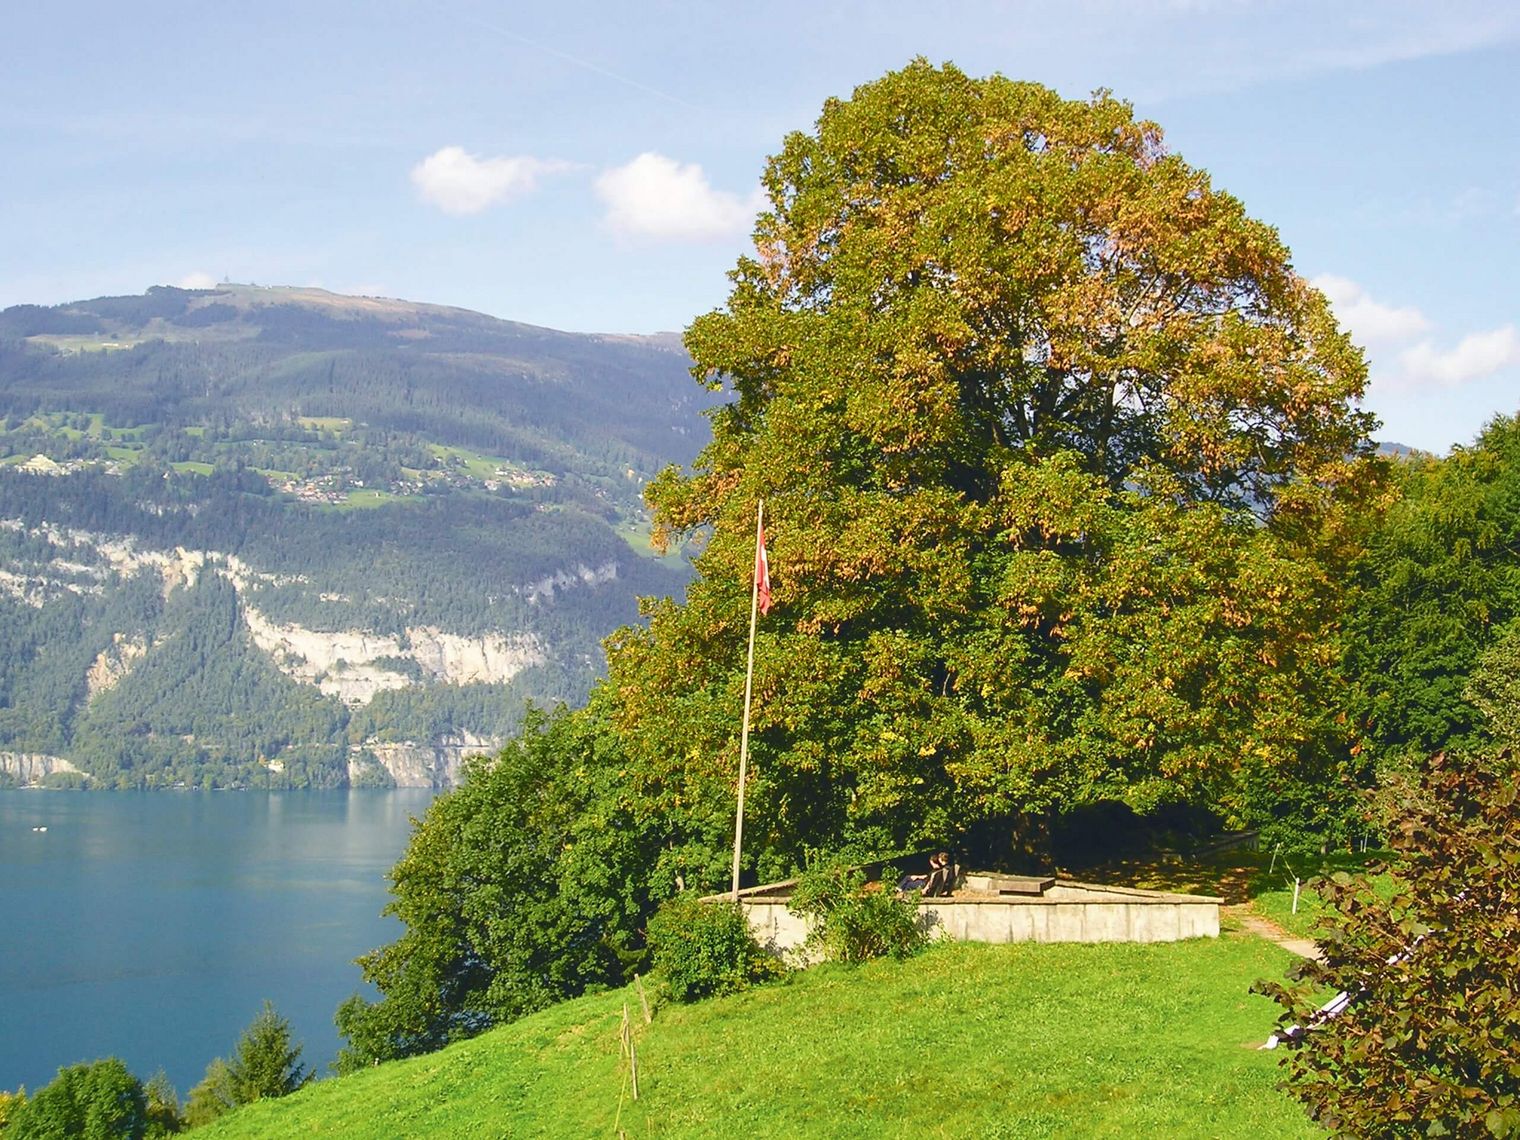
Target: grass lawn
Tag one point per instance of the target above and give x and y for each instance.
(966, 1040)
(636, 534)
(1272, 891)
(88, 342)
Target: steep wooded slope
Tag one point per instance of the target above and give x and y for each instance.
(286, 536)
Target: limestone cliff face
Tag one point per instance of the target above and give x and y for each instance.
(353, 665)
(463, 660)
(114, 663)
(178, 567)
(414, 765)
(544, 589)
(32, 767)
(349, 664)
(339, 663)
(119, 554)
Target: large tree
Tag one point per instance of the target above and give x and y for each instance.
(1057, 454)
(526, 885)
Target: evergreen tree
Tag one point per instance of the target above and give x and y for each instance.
(266, 1063)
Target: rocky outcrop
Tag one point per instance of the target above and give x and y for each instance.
(354, 665)
(120, 554)
(113, 663)
(339, 663)
(414, 765)
(178, 567)
(459, 660)
(545, 588)
(32, 767)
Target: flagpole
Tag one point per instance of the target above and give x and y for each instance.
(749, 681)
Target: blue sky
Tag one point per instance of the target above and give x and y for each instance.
(593, 166)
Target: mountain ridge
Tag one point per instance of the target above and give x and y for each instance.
(250, 535)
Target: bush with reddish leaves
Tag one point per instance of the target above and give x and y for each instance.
(1429, 1044)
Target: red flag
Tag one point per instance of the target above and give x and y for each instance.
(762, 574)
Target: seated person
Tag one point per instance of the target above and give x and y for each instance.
(912, 883)
(941, 879)
(937, 883)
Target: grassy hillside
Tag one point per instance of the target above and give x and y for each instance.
(967, 1040)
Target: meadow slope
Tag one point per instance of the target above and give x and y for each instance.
(966, 1040)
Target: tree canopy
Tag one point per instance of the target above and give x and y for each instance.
(1433, 593)
(1057, 452)
(99, 1100)
(525, 886)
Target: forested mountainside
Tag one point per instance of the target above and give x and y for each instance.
(284, 537)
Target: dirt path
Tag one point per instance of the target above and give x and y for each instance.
(1266, 928)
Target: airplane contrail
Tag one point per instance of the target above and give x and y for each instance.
(583, 63)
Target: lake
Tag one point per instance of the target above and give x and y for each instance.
(152, 925)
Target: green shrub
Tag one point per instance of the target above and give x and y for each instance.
(101, 1100)
(164, 1117)
(703, 949)
(854, 921)
(1430, 1041)
(11, 1103)
(65, 781)
(212, 1097)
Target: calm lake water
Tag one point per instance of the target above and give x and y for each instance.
(153, 925)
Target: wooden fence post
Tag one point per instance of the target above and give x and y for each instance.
(638, 984)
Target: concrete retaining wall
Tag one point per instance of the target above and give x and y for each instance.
(1066, 912)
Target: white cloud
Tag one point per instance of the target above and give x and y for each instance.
(1382, 329)
(197, 280)
(1370, 322)
(458, 182)
(657, 197)
(1481, 354)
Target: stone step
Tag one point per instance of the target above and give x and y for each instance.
(1009, 884)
